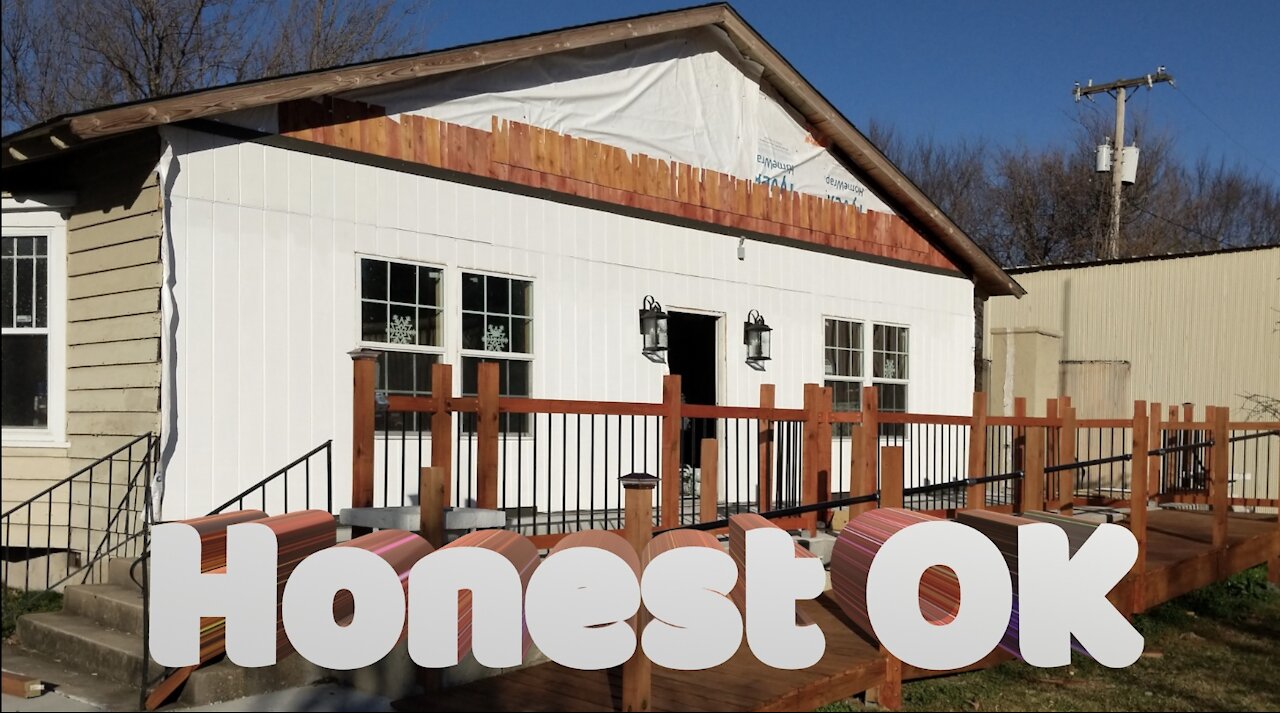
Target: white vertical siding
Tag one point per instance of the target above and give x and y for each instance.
(265, 272)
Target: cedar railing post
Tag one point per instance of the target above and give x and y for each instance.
(866, 441)
(671, 485)
(1173, 471)
(364, 363)
(1155, 439)
(1033, 495)
(1138, 467)
(442, 425)
(1067, 454)
(487, 435)
(708, 498)
(812, 454)
(1218, 472)
(976, 495)
(765, 450)
(824, 396)
(431, 504)
(891, 475)
(637, 672)
(889, 694)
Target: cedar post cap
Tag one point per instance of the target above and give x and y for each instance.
(639, 480)
(363, 354)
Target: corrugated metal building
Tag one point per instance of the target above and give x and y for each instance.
(1201, 328)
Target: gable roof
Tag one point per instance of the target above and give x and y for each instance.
(883, 176)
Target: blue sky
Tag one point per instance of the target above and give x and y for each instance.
(1000, 70)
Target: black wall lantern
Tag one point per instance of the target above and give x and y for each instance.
(653, 327)
(755, 334)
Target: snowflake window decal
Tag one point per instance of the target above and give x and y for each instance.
(400, 330)
(890, 369)
(495, 338)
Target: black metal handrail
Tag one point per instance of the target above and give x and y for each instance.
(282, 476)
(260, 487)
(123, 522)
(845, 502)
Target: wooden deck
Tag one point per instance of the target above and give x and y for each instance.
(1180, 558)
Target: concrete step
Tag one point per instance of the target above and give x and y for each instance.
(111, 605)
(118, 569)
(225, 681)
(84, 644)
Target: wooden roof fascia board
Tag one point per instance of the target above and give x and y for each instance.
(271, 91)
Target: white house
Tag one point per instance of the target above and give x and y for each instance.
(201, 265)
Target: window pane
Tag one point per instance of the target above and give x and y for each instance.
(401, 325)
(42, 292)
(25, 394)
(429, 286)
(373, 321)
(521, 335)
(373, 279)
(519, 378)
(497, 334)
(472, 331)
(429, 326)
(472, 292)
(8, 245)
(522, 297)
(25, 316)
(6, 286)
(399, 371)
(893, 397)
(497, 295)
(40, 245)
(403, 283)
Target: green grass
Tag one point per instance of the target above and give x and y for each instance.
(1214, 649)
(18, 602)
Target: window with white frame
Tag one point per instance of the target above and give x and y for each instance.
(497, 326)
(401, 316)
(24, 342)
(847, 365)
(889, 371)
(842, 366)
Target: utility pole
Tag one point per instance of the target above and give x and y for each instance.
(1119, 90)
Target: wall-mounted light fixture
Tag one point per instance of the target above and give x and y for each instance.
(755, 334)
(653, 327)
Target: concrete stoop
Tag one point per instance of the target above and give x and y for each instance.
(98, 636)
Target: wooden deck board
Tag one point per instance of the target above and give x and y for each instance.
(1180, 558)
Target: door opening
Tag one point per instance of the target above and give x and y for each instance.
(693, 354)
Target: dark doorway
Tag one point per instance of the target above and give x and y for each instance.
(693, 355)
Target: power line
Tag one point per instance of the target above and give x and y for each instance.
(1217, 241)
(1226, 133)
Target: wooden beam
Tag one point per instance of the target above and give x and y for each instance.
(765, 449)
(708, 499)
(976, 495)
(811, 458)
(372, 74)
(487, 435)
(21, 686)
(364, 364)
(1155, 439)
(1033, 495)
(868, 447)
(670, 475)
(442, 425)
(1067, 454)
(891, 476)
(637, 672)
(1219, 468)
(1138, 468)
(432, 483)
